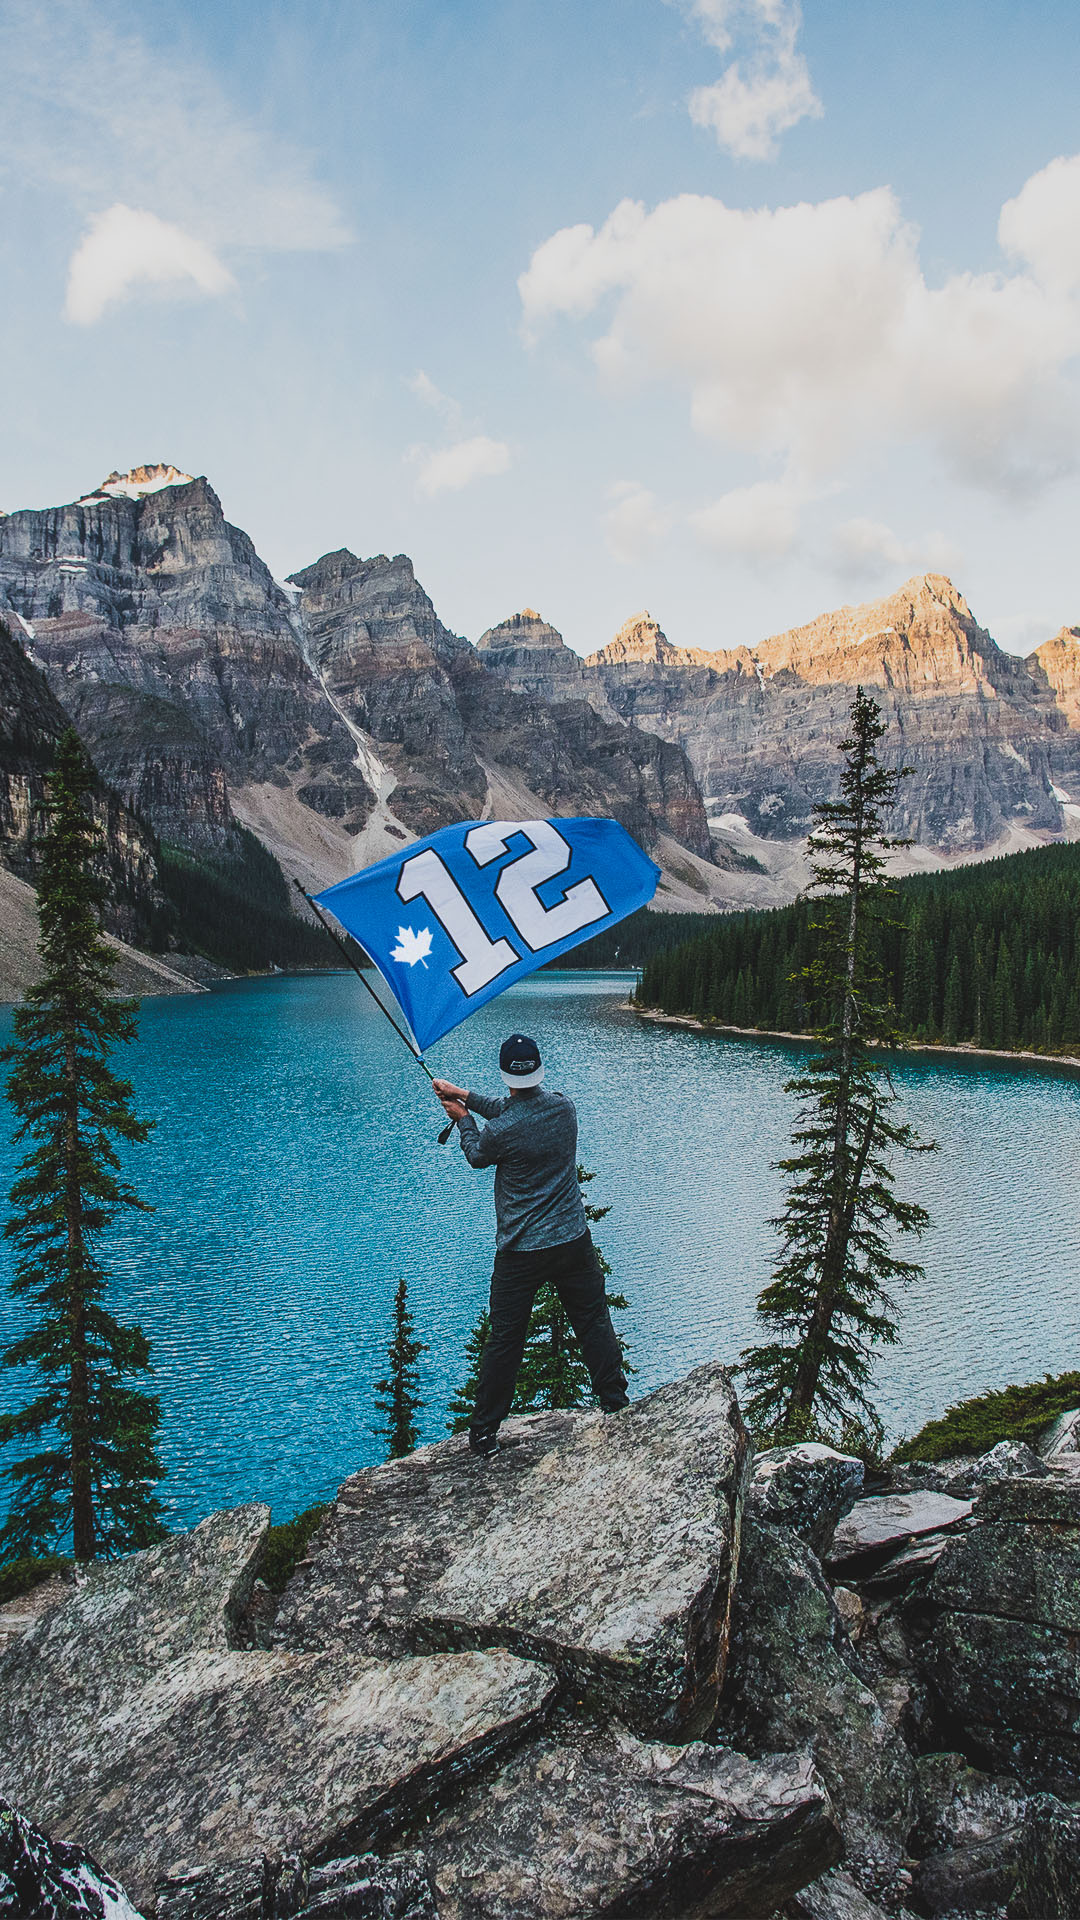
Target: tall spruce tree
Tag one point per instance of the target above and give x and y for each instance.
(398, 1396)
(91, 1482)
(828, 1303)
(553, 1374)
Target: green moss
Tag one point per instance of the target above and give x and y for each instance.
(18, 1576)
(1010, 1413)
(285, 1546)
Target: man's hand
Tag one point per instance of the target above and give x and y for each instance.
(445, 1090)
(454, 1109)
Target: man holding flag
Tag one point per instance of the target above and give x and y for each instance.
(541, 1233)
(450, 922)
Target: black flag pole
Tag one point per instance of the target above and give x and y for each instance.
(365, 982)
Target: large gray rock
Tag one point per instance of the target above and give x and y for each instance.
(794, 1680)
(291, 1888)
(128, 1722)
(1001, 1643)
(42, 1879)
(1009, 1460)
(835, 1897)
(1060, 1445)
(1048, 1875)
(594, 1823)
(807, 1487)
(603, 1545)
(888, 1521)
(120, 1627)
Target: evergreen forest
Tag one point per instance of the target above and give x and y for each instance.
(987, 955)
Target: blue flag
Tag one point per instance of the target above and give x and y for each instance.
(453, 920)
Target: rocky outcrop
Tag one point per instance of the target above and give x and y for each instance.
(1059, 660)
(998, 1643)
(807, 1488)
(423, 1553)
(456, 1715)
(988, 735)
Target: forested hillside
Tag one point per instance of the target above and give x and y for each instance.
(985, 954)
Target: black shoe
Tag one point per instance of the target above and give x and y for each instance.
(615, 1406)
(483, 1444)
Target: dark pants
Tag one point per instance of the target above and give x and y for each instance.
(574, 1272)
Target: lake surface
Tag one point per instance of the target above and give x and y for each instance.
(295, 1175)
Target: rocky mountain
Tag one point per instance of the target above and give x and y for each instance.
(334, 714)
(31, 723)
(990, 737)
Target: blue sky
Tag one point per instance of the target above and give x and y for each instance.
(699, 307)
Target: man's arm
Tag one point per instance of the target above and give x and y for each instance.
(487, 1105)
(480, 1149)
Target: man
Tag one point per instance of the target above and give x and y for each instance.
(541, 1232)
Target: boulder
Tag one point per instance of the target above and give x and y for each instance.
(129, 1723)
(599, 1823)
(968, 1834)
(835, 1897)
(877, 1528)
(42, 1879)
(290, 1888)
(807, 1487)
(605, 1546)
(1060, 1444)
(795, 1681)
(1009, 1460)
(1048, 1867)
(999, 1640)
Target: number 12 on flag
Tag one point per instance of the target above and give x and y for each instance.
(455, 919)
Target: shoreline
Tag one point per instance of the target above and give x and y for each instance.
(959, 1050)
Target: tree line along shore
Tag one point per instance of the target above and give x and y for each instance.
(985, 956)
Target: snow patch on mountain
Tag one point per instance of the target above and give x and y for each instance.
(135, 484)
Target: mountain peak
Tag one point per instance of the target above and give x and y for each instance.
(527, 629)
(136, 483)
(641, 638)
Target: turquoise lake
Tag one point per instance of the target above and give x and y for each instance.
(295, 1175)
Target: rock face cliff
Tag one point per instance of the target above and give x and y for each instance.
(209, 693)
(31, 723)
(988, 736)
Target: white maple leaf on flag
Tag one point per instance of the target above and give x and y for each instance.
(412, 946)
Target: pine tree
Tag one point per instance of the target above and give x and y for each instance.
(398, 1396)
(462, 1404)
(828, 1302)
(91, 1482)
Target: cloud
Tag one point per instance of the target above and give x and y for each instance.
(125, 248)
(431, 396)
(809, 331)
(91, 109)
(756, 523)
(862, 551)
(448, 469)
(749, 108)
(636, 523)
(1042, 225)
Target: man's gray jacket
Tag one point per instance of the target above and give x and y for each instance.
(531, 1140)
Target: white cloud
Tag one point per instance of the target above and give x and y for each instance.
(431, 396)
(1042, 225)
(755, 523)
(808, 331)
(636, 522)
(749, 107)
(448, 469)
(863, 551)
(125, 248)
(91, 110)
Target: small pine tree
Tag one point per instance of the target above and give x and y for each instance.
(398, 1396)
(91, 1484)
(553, 1373)
(828, 1302)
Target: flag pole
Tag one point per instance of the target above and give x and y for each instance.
(359, 972)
